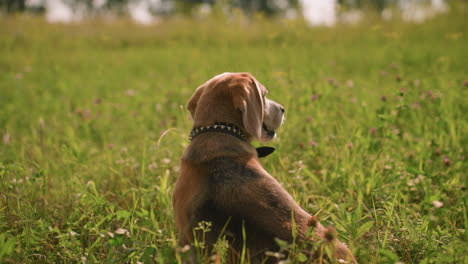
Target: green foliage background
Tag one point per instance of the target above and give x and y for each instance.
(93, 121)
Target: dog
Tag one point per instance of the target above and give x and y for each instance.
(222, 182)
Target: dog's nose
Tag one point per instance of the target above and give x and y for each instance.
(282, 109)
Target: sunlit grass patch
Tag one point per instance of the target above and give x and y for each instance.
(93, 123)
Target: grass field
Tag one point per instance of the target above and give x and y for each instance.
(93, 122)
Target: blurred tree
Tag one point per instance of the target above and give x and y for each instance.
(371, 4)
(250, 7)
(255, 6)
(11, 6)
(116, 3)
(267, 7)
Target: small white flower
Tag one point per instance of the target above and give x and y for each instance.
(152, 166)
(121, 231)
(437, 204)
(185, 248)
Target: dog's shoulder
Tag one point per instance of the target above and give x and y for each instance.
(229, 170)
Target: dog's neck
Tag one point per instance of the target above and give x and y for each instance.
(230, 129)
(220, 127)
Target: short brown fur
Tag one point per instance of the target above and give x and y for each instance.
(222, 181)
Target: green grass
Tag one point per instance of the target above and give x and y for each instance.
(93, 122)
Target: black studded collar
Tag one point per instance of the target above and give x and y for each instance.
(221, 127)
(232, 130)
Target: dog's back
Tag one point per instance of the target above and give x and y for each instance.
(220, 175)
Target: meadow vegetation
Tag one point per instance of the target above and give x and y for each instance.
(93, 123)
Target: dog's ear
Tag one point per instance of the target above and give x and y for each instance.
(193, 101)
(249, 101)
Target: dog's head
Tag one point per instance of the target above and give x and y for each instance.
(240, 99)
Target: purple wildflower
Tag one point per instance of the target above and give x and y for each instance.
(446, 161)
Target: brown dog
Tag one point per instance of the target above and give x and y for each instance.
(222, 181)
